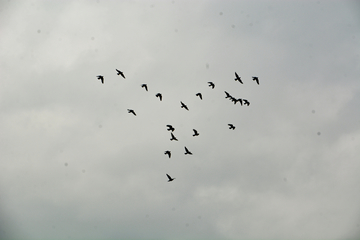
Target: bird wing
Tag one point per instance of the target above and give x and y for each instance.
(236, 75)
(168, 176)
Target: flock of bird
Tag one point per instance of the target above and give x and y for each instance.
(183, 105)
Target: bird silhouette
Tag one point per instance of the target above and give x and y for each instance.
(101, 78)
(170, 179)
(231, 126)
(211, 84)
(168, 153)
(199, 95)
(170, 128)
(240, 101)
(256, 79)
(184, 106)
(187, 151)
(159, 96)
(144, 86)
(173, 137)
(233, 100)
(195, 133)
(246, 102)
(131, 111)
(238, 78)
(227, 94)
(120, 73)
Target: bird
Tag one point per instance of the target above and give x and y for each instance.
(211, 84)
(199, 95)
(240, 101)
(231, 126)
(159, 96)
(120, 73)
(170, 179)
(101, 78)
(195, 133)
(170, 128)
(238, 78)
(187, 151)
(131, 111)
(227, 94)
(256, 79)
(168, 153)
(184, 106)
(233, 100)
(144, 86)
(246, 102)
(173, 137)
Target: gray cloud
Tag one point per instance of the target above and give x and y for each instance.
(75, 164)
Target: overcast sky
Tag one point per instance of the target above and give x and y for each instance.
(74, 164)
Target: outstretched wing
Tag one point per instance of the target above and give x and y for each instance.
(168, 176)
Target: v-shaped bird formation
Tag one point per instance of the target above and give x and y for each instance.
(170, 128)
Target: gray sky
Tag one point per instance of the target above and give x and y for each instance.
(75, 165)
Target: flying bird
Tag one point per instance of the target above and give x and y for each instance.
(246, 102)
(173, 137)
(227, 94)
(199, 95)
(184, 106)
(256, 79)
(131, 111)
(101, 78)
(195, 133)
(233, 100)
(238, 78)
(144, 86)
(168, 153)
(170, 179)
(211, 84)
(240, 101)
(231, 126)
(187, 151)
(120, 73)
(170, 128)
(159, 96)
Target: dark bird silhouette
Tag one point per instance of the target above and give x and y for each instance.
(159, 96)
(170, 179)
(195, 133)
(246, 102)
(101, 78)
(187, 151)
(211, 84)
(168, 153)
(170, 128)
(240, 101)
(199, 95)
(227, 94)
(184, 106)
(231, 126)
(144, 86)
(120, 73)
(131, 111)
(238, 78)
(256, 79)
(173, 137)
(233, 100)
